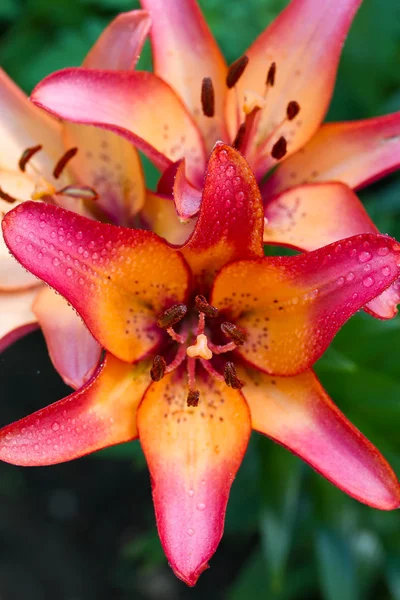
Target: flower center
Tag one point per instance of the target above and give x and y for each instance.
(196, 328)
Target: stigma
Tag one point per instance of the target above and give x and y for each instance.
(200, 349)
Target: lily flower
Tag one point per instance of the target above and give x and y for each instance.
(87, 170)
(269, 104)
(203, 342)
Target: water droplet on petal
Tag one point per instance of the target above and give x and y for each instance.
(368, 281)
(190, 531)
(56, 261)
(191, 493)
(201, 506)
(386, 271)
(55, 427)
(364, 256)
(383, 251)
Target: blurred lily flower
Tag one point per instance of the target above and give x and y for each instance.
(269, 104)
(203, 343)
(90, 171)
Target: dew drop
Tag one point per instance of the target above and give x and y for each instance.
(201, 506)
(386, 271)
(56, 261)
(340, 281)
(350, 276)
(190, 531)
(81, 281)
(191, 493)
(368, 281)
(69, 272)
(383, 251)
(29, 248)
(55, 426)
(364, 256)
(79, 235)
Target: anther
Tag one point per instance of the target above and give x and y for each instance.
(236, 70)
(193, 398)
(157, 371)
(7, 197)
(235, 333)
(27, 155)
(203, 306)
(238, 141)
(62, 163)
(270, 80)
(231, 377)
(207, 97)
(82, 192)
(292, 110)
(171, 316)
(279, 149)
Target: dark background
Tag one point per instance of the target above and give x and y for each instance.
(85, 530)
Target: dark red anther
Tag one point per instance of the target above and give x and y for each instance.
(82, 192)
(235, 333)
(292, 110)
(207, 97)
(236, 70)
(203, 306)
(193, 398)
(27, 155)
(279, 149)
(172, 315)
(62, 163)
(231, 377)
(7, 197)
(157, 371)
(238, 141)
(271, 75)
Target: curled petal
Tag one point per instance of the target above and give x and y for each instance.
(159, 214)
(101, 414)
(127, 103)
(193, 455)
(305, 42)
(16, 316)
(186, 197)
(73, 350)
(180, 32)
(297, 413)
(230, 222)
(310, 216)
(120, 44)
(112, 167)
(291, 307)
(117, 279)
(354, 152)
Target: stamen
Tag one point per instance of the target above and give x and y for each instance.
(292, 110)
(62, 163)
(235, 333)
(231, 377)
(279, 149)
(157, 371)
(81, 192)
(221, 349)
(172, 316)
(207, 97)
(193, 398)
(7, 197)
(204, 307)
(27, 155)
(178, 360)
(176, 336)
(200, 349)
(271, 75)
(236, 70)
(237, 142)
(211, 371)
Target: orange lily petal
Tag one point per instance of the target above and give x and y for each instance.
(127, 103)
(354, 152)
(120, 44)
(112, 167)
(179, 33)
(16, 316)
(295, 219)
(117, 279)
(231, 218)
(101, 414)
(193, 455)
(73, 350)
(293, 306)
(313, 215)
(297, 413)
(23, 126)
(160, 216)
(305, 42)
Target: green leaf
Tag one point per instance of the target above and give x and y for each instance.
(336, 567)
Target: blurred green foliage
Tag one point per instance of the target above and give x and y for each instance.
(303, 537)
